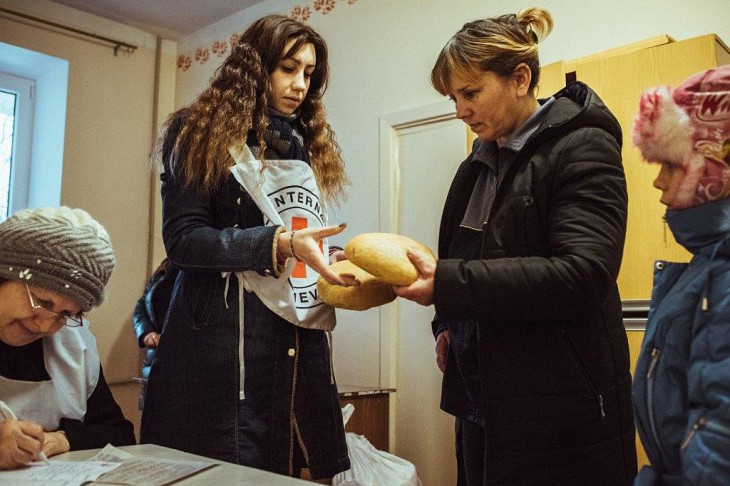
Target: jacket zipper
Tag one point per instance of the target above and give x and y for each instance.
(704, 423)
(655, 353)
(586, 374)
(522, 156)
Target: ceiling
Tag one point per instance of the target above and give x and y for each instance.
(171, 19)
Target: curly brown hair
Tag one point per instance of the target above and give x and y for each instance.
(236, 102)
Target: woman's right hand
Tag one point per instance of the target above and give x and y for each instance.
(20, 443)
(151, 340)
(303, 244)
(442, 349)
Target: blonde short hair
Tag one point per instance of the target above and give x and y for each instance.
(496, 44)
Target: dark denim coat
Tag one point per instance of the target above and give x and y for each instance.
(681, 390)
(192, 401)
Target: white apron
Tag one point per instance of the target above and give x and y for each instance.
(72, 361)
(287, 194)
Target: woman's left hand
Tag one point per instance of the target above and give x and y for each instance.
(304, 246)
(420, 291)
(55, 443)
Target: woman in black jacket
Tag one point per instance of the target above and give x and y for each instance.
(528, 314)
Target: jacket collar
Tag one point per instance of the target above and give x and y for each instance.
(701, 226)
(576, 106)
(485, 152)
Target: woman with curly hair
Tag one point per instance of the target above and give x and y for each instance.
(243, 370)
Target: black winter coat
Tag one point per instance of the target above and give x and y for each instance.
(553, 353)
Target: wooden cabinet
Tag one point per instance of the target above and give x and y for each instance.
(619, 81)
(620, 78)
(636, 337)
(371, 417)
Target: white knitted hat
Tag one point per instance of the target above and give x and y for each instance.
(63, 250)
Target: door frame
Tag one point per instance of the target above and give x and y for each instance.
(391, 128)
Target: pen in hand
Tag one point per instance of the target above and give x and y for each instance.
(7, 413)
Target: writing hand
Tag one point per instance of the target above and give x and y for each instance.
(20, 443)
(420, 291)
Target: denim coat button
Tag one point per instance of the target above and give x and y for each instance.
(291, 352)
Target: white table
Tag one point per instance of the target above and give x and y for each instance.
(223, 474)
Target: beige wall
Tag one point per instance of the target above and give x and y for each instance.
(109, 125)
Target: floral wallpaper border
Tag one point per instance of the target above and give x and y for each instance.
(219, 48)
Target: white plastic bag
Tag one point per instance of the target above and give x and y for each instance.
(372, 467)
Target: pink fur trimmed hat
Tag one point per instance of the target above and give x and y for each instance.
(690, 127)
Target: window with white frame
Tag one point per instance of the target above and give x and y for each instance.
(16, 135)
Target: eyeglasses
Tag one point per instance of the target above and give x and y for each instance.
(71, 320)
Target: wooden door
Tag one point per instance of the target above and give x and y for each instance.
(422, 150)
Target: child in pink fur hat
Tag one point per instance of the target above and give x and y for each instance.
(681, 389)
(688, 129)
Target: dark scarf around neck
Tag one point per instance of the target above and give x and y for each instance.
(283, 138)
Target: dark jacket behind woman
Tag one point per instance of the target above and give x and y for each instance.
(553, 354)
(149, 313)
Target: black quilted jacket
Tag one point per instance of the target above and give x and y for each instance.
(553, 353)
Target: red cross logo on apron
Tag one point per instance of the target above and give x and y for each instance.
(300, 270)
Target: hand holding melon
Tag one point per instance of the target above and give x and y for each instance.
(377, 261)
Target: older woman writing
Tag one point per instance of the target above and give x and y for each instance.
(54, 264)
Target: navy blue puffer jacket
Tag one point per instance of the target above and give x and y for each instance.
(681, 390)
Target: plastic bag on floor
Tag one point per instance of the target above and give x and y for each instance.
(372, 467)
